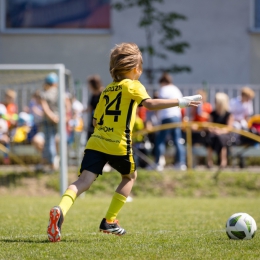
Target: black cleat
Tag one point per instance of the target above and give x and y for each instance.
(111, 228)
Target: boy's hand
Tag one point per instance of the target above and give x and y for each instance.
(190, 101)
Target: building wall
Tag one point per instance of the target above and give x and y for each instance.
(217, 32)
(255, 59)
(82, 54)
(221, 50)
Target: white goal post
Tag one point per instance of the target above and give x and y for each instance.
(28, 74)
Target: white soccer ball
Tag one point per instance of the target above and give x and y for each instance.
(241, 226)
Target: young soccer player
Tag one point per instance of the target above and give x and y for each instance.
(111, 141)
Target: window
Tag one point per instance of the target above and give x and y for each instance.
(255, 15)
(56, 15)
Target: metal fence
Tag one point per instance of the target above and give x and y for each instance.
(232, 90)
(80, 90)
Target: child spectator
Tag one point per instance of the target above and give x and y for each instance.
(242, 108)
(11, 117)
(24, 124)
(4, 137)
(77, 125)
(11, 108)
(77, 109)
(138, 141)
(200, 114)
(36, 110)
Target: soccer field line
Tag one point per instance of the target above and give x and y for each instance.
(40, 236)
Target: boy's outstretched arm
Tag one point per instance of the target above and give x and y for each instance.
(156, 104)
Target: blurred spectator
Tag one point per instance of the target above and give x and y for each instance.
(200, 114)
(77, 146)
(219, 139)
(142, 112)
(254, 124)
(4, 137)
(35, 136)
(166, 116)
(242, 108)
(49, 103)
(11, 108)
(139, 141)
(151, 121)
(96, 87)
(69, 117)
(11, 116)
(76, 121)
(77, 109)
(24, 124)
(3, 122)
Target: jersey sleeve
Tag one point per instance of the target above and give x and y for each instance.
(138, 92)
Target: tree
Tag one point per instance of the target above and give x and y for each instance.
(154, 21)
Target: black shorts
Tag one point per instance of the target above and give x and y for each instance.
(94, 161)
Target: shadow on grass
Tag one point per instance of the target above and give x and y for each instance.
(19, 240)
(46, 241)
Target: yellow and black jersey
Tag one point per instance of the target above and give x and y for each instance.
(115, 115)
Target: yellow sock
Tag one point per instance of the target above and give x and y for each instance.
(67, 200)
(116, 204)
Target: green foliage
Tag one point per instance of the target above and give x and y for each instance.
(161, 24)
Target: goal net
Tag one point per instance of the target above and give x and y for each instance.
(24, 81)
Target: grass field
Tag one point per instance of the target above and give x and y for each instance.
(157, 228)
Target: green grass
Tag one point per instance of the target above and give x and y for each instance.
(177, 184)
(157, 228)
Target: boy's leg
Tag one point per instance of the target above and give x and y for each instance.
(58, 213)
(109, 223)
(75, 189)
(119, 198)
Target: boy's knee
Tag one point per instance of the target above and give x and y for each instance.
(131, 176)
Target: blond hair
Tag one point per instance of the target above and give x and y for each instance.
(222, 102)
(248, 92)
(123, 58)
(10, 93)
